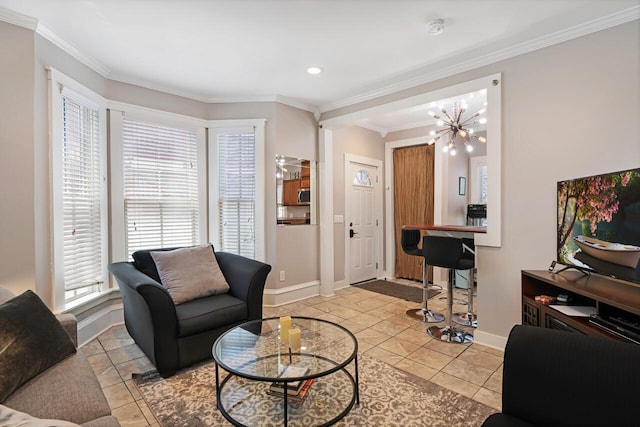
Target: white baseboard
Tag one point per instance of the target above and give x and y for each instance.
(490, 340)
(340, 284)
(281, 296)
(91, 327)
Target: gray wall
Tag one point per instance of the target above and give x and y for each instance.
(360, 142)
(25, 222)
(568, 110)
(17, 234)
(297, 246)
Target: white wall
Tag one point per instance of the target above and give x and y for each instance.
(568, 110)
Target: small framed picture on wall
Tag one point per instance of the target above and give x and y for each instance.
(462, 186)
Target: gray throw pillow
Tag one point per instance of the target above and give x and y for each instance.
(31, 341)
(190, 273)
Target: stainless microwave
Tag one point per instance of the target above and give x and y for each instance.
(304, 196)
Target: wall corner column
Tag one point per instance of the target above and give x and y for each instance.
(327, 275)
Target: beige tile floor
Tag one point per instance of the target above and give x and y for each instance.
(379, 322)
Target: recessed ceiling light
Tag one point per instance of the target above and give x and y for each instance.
(314, 70)
(435, 27)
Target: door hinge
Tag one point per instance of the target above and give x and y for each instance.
(376, 265)
(376, 222)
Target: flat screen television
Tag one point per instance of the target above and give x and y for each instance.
(599, 224)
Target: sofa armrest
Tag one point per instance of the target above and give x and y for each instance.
(150, 315)
(554, 377)
(246, 278)
(70, 324)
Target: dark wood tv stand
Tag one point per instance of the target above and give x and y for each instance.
(610, 297)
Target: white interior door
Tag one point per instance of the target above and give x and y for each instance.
(361, 222)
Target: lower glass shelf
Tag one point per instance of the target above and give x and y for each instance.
(247, 402)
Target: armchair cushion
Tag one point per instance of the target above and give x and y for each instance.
(204, 314)
(190, 273)
(31, 339)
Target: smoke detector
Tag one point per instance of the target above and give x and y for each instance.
(435, 27)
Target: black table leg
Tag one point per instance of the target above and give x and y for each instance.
(357, 382)
(217, 386)
(286, 404)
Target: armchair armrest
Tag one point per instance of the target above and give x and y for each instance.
(150, 315)
(70, 324)
(560, 378)
(246, 278)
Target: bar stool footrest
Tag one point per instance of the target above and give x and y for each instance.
(426, 316)
(466, 319)
(450, 334)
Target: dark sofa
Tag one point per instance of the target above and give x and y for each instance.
(174, 336)
(563, 379)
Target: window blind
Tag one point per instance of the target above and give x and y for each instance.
(237, 192)
(160, 186)
(82, 190)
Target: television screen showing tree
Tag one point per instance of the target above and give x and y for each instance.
(599, 224)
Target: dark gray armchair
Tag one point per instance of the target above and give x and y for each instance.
(563, 379)
(174, 336)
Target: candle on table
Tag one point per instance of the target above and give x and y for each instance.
(285, 325)
(294, 340)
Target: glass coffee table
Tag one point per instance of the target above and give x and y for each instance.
(254, 357)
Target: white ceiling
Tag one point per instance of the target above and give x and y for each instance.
(248, 50)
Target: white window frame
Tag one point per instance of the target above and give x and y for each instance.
(116, 114)
(219, 126)
(60, 86)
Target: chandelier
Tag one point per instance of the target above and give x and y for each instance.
(455, 126)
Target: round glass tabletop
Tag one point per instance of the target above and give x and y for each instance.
(254, 350)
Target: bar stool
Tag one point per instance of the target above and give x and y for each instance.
(446, 252)
(409, 240)
(468, 318)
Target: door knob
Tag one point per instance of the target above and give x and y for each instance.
(351, 234)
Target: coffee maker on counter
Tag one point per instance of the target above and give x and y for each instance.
(477, 215)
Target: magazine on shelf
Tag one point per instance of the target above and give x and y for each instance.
(293, 387)
(297, 397)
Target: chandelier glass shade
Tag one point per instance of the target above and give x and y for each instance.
(454, 126)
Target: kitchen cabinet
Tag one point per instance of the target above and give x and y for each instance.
(305, 174)
(290, 189)
(305, 169)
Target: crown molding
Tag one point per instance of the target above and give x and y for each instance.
(379, 129)
(67, 47)
(292, 102)
(33, 24)
(240, 99)
(428, 76)
(157, 87)
(18, 19)
(211, 100)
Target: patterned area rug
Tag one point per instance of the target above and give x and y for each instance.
(406, 292)
(388, 397)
